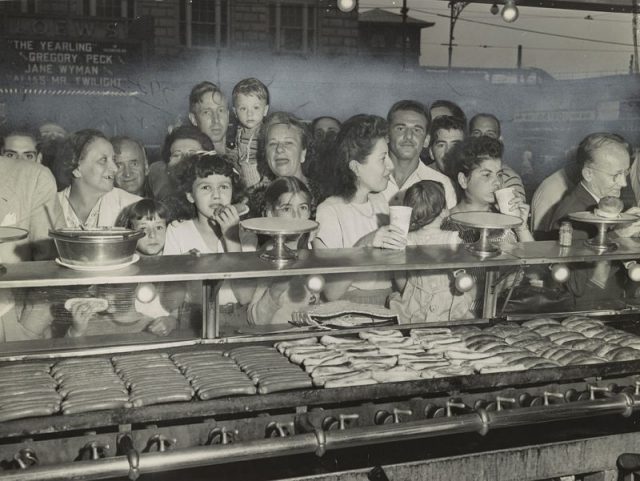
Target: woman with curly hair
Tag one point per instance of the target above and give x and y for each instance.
(211, 185)
(357, 215)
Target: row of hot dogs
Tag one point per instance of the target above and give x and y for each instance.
(388, 356)
(80, 385)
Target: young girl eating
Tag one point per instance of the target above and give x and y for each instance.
(429, 296)
(211, 184)
(273, 301)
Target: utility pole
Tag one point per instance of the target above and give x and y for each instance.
(455, 7)
(636, 70)
(404, 11)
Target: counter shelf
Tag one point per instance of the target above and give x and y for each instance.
(213, 268)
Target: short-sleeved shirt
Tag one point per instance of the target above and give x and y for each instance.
(28, 200)
(394, 194)
(103, 214)
(183, 236)
(343, 223)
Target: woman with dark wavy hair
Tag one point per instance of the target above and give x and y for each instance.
(357, 215)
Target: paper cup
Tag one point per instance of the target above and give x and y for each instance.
(503, 197)
(400, 216)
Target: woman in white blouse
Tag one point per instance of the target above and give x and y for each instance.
(91, 200)
(357, 215)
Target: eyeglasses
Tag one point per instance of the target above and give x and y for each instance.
(617, 177)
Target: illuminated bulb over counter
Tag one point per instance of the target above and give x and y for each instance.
(146, 292)
(463, 281)
(633, 270)
(560, 272)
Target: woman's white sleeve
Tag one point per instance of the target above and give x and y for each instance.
(329, 231)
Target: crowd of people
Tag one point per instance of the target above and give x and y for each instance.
(232, 159)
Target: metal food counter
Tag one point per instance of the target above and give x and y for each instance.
(467, 416)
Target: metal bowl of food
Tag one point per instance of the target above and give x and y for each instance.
(96, 247)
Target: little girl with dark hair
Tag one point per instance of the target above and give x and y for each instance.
(429, 296)
(274, 300)
(211, 184)
(151, 217)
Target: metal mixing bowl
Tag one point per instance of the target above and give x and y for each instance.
(96, 247)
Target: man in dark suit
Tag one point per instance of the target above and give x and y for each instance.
(604, 160)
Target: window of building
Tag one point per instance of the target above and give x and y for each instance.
(204, 23)
(20, 6)
(292, 27)
(109, 8)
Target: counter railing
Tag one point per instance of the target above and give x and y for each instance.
(326, 261)
(316, 440)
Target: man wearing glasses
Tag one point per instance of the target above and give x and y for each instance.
(604, 160)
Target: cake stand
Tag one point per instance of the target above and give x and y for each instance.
(485, 221)
(281, 230)
(600, 243)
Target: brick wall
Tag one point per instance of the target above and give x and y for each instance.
(337, 32)
(166, 17)
(249, 24)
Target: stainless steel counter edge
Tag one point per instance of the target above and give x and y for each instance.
(330, 261)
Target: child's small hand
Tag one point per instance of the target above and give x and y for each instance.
(227, 218)
(163, 326)
(81, 314)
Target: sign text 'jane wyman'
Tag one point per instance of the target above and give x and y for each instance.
(70, 64)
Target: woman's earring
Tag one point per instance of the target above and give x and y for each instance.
(76, 173)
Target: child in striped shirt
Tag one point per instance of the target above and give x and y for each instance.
(250, 104)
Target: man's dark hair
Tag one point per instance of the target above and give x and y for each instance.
(446, 122)
(413, 106)
(487, 116)
(453, 107)
(315, 121)
(20, 133)
(199, 90)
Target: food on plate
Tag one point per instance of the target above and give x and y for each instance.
(97, 304)
(609, 207)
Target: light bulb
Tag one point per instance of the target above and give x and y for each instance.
(463, 281)
(510, 11)
(347, 6)
(146, 292)
(633, 270)
(560, 272)
(315, 284)
(494, 9)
